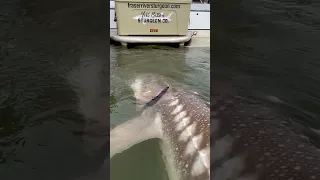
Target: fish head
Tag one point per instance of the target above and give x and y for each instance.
(148, 86)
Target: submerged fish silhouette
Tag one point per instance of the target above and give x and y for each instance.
(251, 141)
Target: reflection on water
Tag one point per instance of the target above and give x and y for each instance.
(90, 82)
(190, 67)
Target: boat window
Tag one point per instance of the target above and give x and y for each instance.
(201, 1)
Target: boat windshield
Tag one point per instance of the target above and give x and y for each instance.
(195, 1)
(201, 1)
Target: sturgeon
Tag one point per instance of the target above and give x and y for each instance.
(180, 119)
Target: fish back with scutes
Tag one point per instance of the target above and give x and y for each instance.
(253, 142)
(185, 123)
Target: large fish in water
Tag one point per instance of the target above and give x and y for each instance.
(250, 141)
(180, 119)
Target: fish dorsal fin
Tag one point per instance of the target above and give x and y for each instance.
(131, 133)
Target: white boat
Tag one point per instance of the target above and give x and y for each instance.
(198, 30)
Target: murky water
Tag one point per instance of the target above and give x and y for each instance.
(190, 66)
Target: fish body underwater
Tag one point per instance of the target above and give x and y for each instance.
(180, 119)
(251, 141)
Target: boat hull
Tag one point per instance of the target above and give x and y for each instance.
(199, 27)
